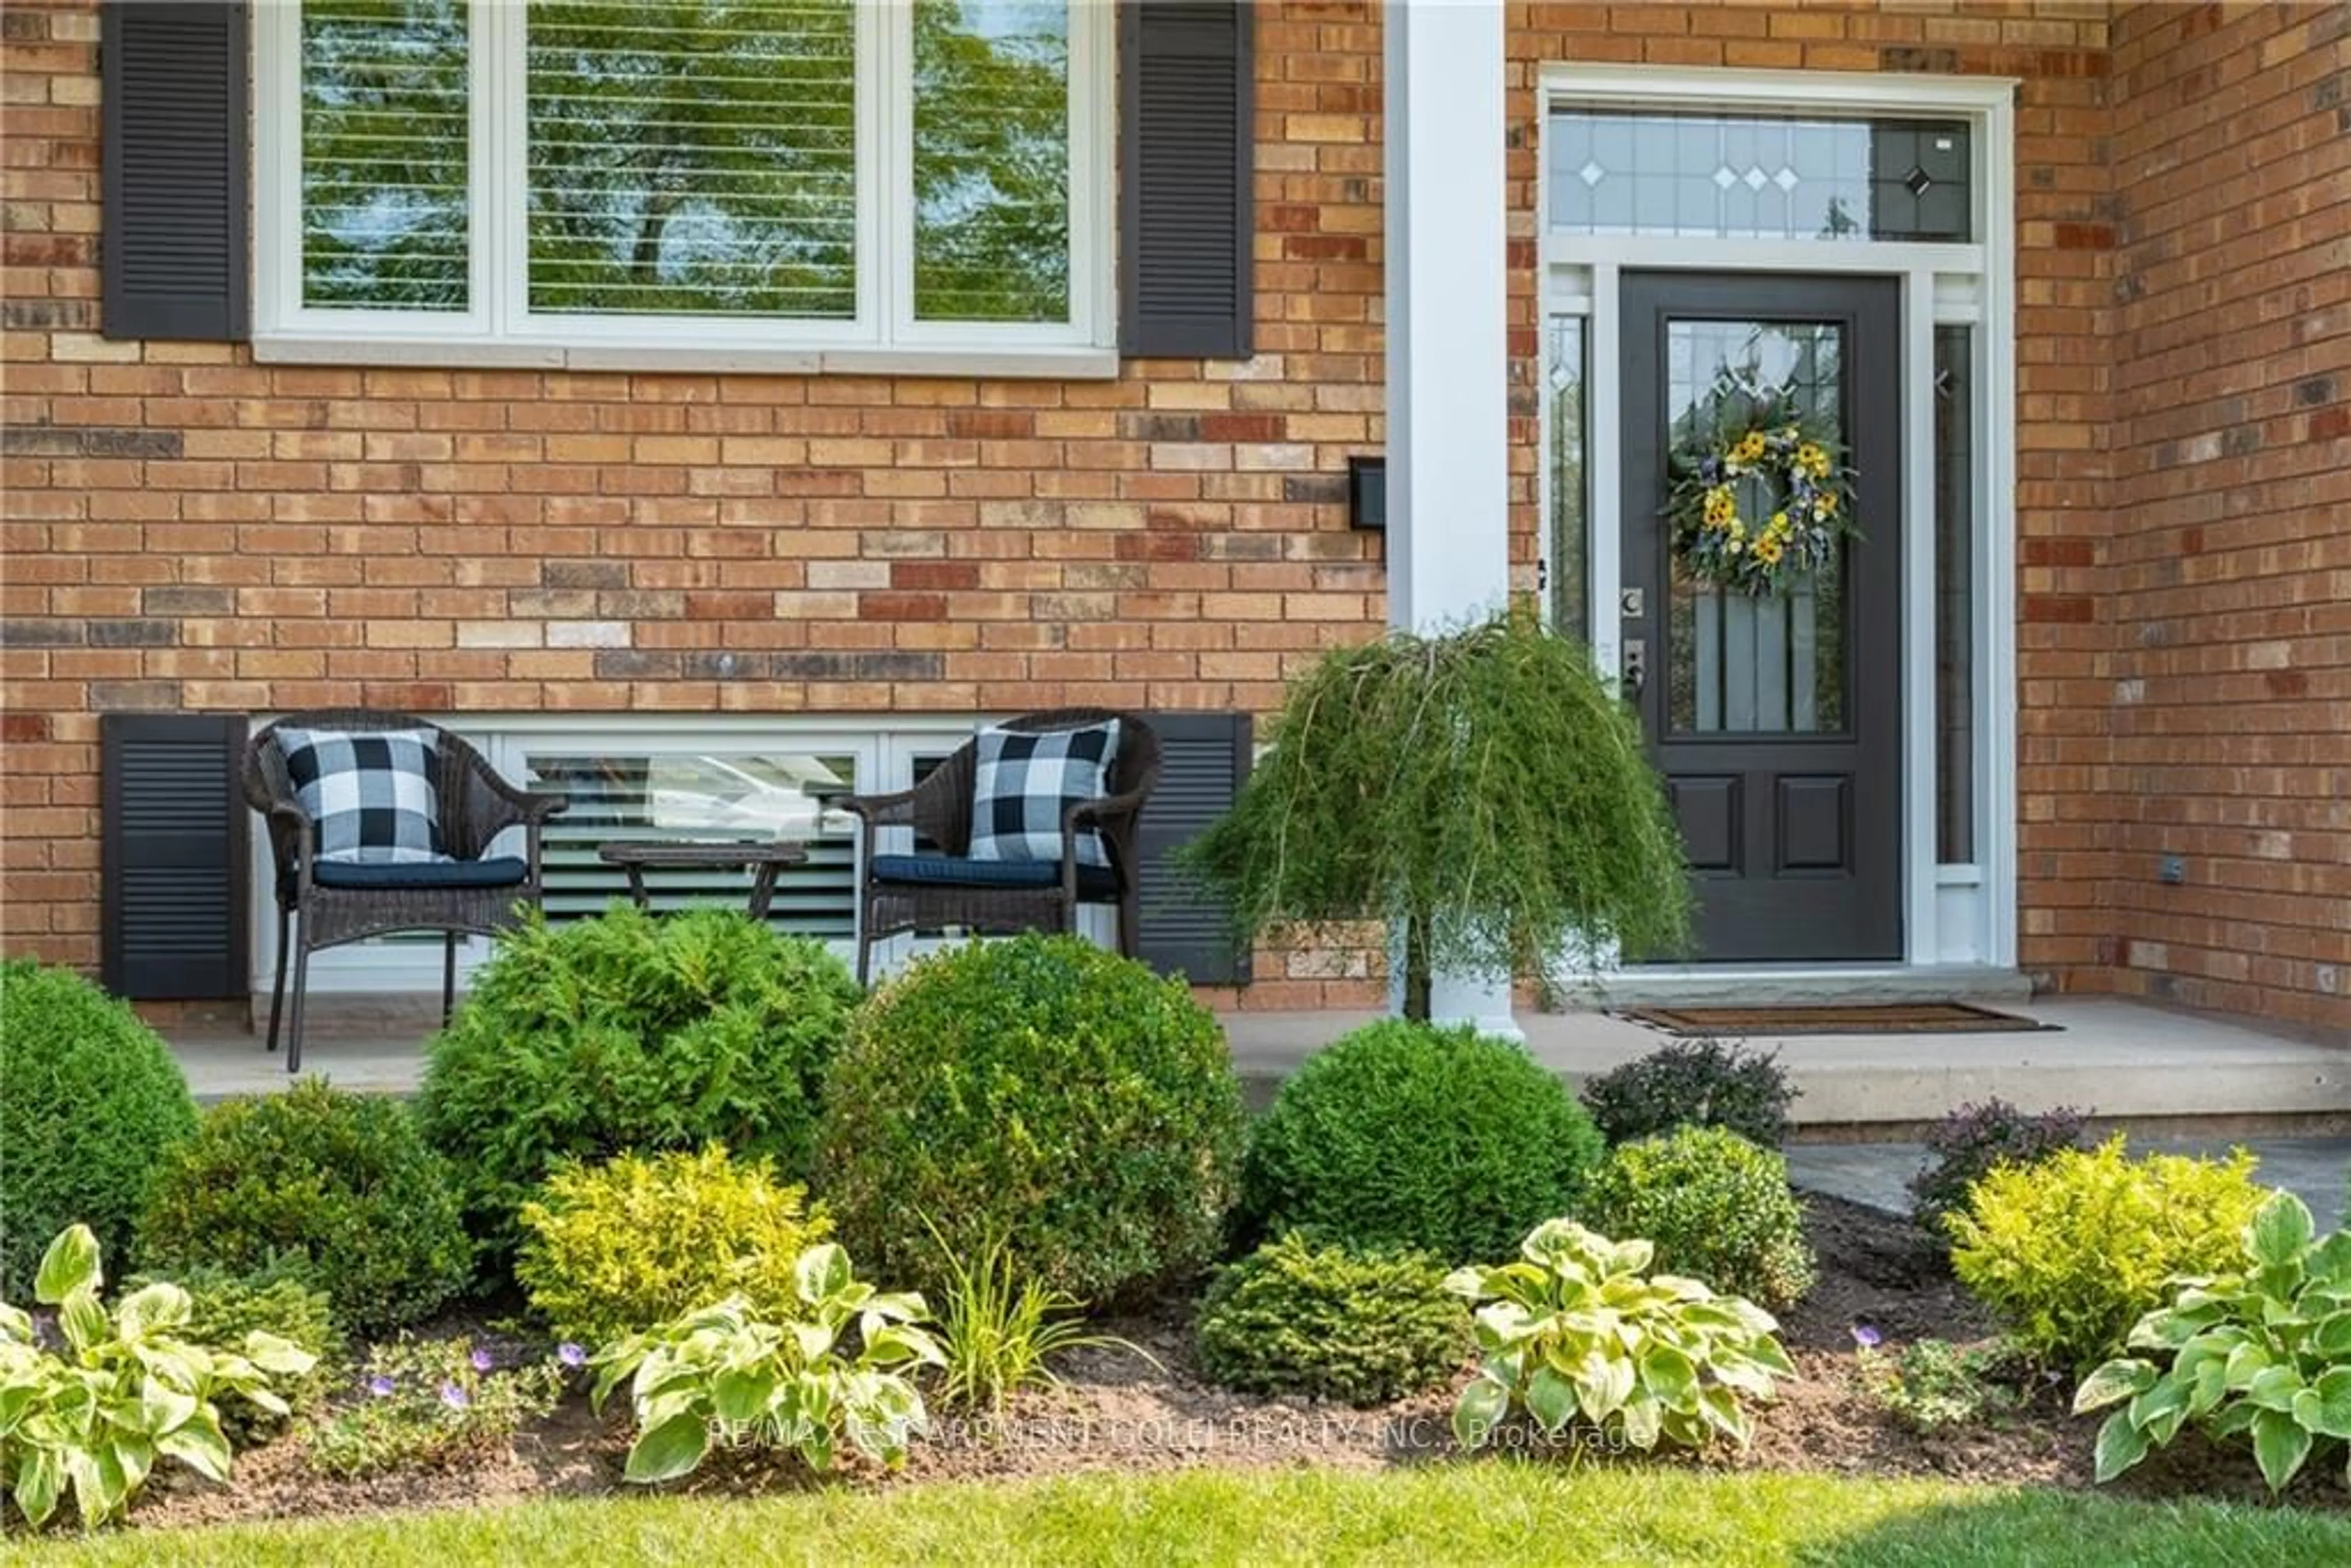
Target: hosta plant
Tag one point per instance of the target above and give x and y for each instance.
(124, 1392)
(2263, 1352)
(835, 1371)
(1578, 1326)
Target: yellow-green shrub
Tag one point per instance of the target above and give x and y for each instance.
(2070, 1251)
(613, 1248)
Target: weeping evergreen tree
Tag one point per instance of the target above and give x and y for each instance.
(1483, 790)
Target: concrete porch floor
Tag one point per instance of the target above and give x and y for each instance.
(2183, 1083)
(2123, 1060)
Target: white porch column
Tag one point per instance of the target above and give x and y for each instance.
(1449, 354)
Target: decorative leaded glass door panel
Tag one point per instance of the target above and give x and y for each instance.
(1776, 716)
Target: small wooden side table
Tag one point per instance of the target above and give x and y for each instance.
(635, 855)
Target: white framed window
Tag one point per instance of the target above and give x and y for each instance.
(787, 185)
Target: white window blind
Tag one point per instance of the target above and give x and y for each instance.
(693, 158)
(385, 145)
(711, 796)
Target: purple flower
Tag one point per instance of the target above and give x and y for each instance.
(382, 1387)
(1866, 1336)
(483, 1360)
(571, 1354)
(454, 1398)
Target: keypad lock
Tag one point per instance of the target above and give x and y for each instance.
(1637, 667)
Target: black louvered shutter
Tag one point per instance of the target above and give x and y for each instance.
(173, 253)
(1186, 209)
(1203, 760)
(172, 868)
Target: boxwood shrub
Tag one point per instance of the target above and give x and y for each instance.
(1403, 1134)
(340, 1185)
(1299, 1316)
(1718, 1210)
(582, 1040)
(89, 1102)
(1040, 1093)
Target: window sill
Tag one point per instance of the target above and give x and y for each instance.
(1007, 363)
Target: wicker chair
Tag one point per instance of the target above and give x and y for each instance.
(920, 892)
(324, 904)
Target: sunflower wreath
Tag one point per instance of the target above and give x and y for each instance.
(1760, 495)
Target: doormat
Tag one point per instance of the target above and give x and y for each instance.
(1860, 1018)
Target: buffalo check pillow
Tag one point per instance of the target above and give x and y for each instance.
(371, 795)
(1026, 781)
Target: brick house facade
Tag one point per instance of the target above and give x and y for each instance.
(188, 529)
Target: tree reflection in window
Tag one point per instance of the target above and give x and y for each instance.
(693, 158)
(991, 161)
(384, 154)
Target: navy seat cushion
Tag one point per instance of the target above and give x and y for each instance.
(503, 871)
(1094, 881)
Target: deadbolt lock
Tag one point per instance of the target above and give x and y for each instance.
(1630, 603)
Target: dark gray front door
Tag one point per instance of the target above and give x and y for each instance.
(1776, 721)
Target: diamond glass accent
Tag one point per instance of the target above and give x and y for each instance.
(1758, 177)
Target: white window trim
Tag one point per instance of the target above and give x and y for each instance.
(1954, 915)
(498, 329)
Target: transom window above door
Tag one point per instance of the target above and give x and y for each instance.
(1758, 176)
(691, 175)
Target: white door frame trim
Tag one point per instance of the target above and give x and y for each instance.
(1955, 915)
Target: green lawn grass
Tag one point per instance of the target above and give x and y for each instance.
(1484, 1513)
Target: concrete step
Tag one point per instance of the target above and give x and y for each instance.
(1797, 986)
(2121, 1061)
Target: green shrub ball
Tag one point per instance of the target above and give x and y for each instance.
(342, 1186)
(90, 1101)
(584, 1039)
(1302, 1317)
(1719, 1208)
(1407, 1136)
(1040, 1092)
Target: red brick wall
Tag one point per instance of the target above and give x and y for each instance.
(185, 528)
(2230, 587)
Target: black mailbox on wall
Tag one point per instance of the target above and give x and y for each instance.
(1367, 493)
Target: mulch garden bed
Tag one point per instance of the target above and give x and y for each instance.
(1118, 1412)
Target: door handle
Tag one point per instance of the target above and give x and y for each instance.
(1636, 667)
